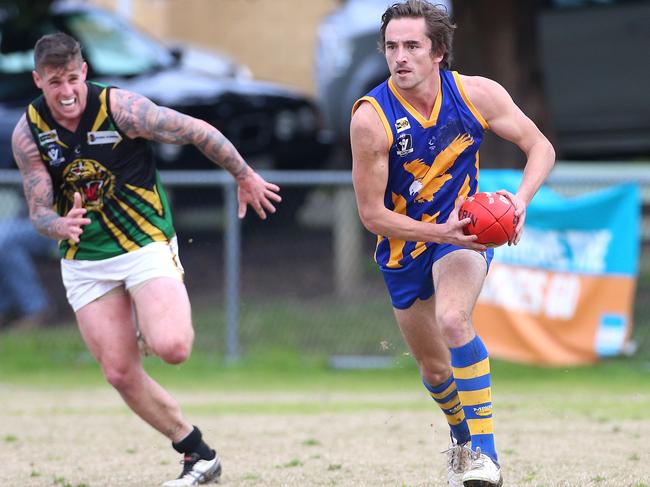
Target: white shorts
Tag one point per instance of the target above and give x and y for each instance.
(87, 280)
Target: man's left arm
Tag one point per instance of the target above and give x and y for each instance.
(137, 116)
(507, 121)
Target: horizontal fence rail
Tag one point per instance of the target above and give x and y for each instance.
(568, 179)
(574, 177)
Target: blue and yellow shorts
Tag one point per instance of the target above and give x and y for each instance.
(414, 280)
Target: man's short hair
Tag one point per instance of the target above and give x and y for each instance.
(56, 51)
(439, 27)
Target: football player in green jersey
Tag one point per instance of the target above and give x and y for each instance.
(90, 182)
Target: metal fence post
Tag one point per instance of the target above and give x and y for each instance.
(232, 257)
(347, 243)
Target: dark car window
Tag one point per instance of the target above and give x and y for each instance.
(17, 58)
(16, 53)
(273, 124)
(113, 49)
(595, 63)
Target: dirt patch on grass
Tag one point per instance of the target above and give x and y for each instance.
(87, 438)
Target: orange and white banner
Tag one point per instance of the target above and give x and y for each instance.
(565, 294)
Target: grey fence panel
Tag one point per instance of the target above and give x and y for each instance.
(576, 178)
(309, 283)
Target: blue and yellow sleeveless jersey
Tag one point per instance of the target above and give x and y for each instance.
(431, 160)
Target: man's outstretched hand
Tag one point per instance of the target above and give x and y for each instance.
(255, 191)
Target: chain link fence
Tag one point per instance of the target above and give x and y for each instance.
(303, 282)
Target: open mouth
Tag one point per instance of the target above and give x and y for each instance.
(67, 102)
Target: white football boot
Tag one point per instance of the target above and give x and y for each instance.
(459, 460)
(197, 471)
(483, 472)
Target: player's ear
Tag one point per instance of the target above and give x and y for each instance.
(38, 81)
(437, 57)
(84, 70)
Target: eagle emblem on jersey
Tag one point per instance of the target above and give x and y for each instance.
(429, 179)
(89, 178)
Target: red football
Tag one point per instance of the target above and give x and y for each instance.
(492, 218)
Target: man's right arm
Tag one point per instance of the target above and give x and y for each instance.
(370, 177)
(137, 116)
(37, 185)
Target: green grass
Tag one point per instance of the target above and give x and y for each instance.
(57, 357)
(54, 359)
(312, 326)
(286, 345)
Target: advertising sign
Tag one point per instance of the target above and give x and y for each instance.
(565, 294)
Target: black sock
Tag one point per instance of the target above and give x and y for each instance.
(193, 443)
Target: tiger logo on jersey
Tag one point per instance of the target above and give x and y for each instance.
(89, 178)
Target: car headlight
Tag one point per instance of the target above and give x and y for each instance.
(286, 125)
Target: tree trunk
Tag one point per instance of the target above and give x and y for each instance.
(498, 39)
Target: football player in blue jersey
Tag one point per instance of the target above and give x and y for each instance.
(90, 181)
(415, 141)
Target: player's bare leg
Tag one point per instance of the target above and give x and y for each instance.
(458, 278)
(427, 344)
(425, 340)
(108, 328)
(164, 317)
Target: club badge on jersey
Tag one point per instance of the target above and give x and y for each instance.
(404, 145)
(55, 155)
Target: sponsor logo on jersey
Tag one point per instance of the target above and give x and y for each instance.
(47, 137)
(404, 145)
(402, 124)
(104, 137)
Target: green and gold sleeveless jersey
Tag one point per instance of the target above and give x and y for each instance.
(115, 175)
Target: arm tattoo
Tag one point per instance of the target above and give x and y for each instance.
(37, 183)
(138, 116)
(217, 148)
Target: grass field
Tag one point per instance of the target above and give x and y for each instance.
(279, 419)
(284, 418)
